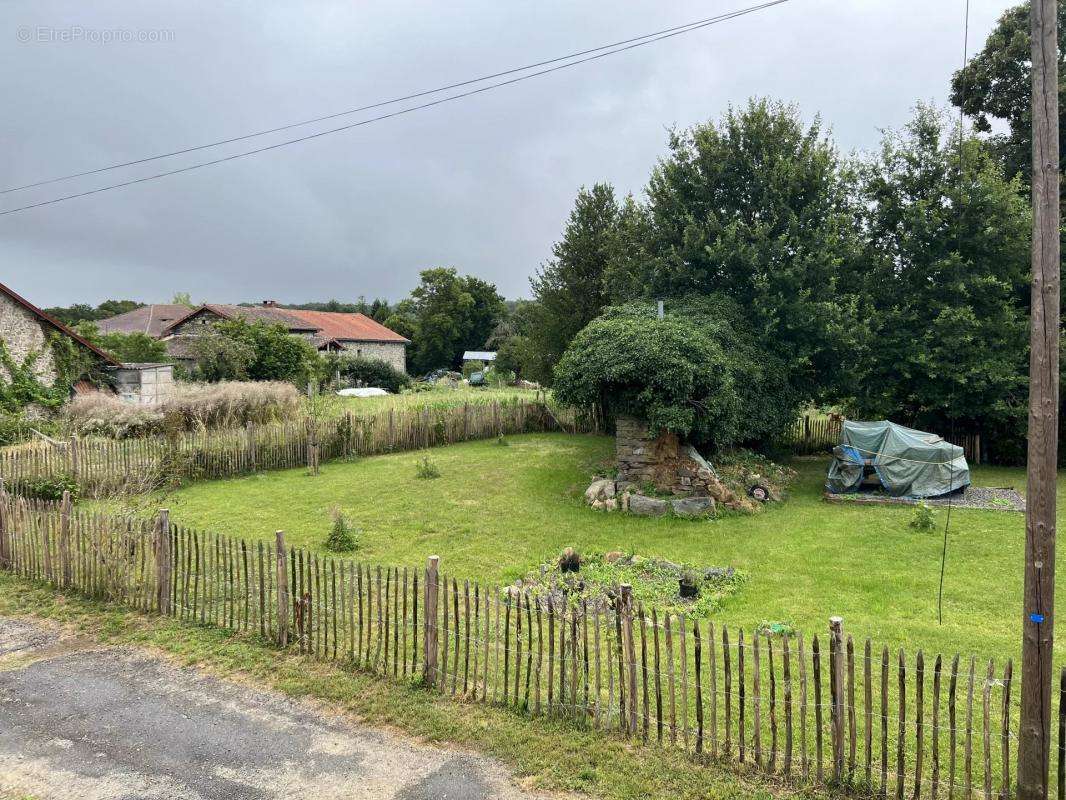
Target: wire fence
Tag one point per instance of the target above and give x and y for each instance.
(100, 466)
(818, 710)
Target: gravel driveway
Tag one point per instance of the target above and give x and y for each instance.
(97, 723)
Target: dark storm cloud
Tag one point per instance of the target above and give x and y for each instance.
(483, 184)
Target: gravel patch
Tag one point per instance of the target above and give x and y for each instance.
(986, 498)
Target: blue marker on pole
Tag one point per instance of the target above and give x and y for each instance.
(1037, 618)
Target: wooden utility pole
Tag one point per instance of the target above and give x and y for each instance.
(1034, 737)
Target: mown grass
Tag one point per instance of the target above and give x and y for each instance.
(497, 512)
(545, 753)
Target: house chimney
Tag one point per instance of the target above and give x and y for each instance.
(270, 304)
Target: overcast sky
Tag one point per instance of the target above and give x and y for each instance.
(483, 184)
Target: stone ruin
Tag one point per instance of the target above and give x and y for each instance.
(686, 483)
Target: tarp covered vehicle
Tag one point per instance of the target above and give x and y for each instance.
(905, 462)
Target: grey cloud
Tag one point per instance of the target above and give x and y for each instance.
(483, 184)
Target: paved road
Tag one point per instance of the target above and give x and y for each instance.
(77, 720)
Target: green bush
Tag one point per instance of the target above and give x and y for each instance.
(499, 377)
(342, 537)
(355, 370)
(426, 469)
(666, 371)
(47, 488)
(923, 517)
(16, 428)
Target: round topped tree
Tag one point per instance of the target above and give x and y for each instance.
(689, 379)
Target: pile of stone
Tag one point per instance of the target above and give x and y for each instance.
(684, 483)
(606, 494)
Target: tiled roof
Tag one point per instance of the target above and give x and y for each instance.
(150, 319)
(346, 327)
(326, 326)
(273, 314)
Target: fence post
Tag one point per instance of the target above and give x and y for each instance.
(5, 557)
(250, 441)
(429, 618)
(162, 562)
(64, 540)
(74, 459)
(283, 589)
(836, 688)
(631, 656)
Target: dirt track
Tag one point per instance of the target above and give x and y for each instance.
(107, 723)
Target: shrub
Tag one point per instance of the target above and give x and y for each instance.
(239, 349)
(342, 537)
(19, 427)
(499, 377)
(470, 367)
(426, 469)
(358, 371)
(667, 371)
(923, 517)
(48, 488)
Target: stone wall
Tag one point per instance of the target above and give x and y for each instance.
(22, 334)
(665, 461)
(394, 353)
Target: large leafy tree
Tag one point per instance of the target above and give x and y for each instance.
(754, 207)
(996, 86)
(447, 313)
(945, 284)
(570, 290)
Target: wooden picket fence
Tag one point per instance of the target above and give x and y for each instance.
(100, 466)
(817, 711)
(814, 434)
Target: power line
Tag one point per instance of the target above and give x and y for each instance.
(675, 29)
(634, 43)
(954, 352)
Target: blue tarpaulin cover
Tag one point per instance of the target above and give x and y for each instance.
(909, 463)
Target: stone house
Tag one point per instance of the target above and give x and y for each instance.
(26, 330)
(328, 331)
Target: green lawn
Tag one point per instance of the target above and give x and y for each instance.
(496, 511)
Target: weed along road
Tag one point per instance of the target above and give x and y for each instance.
(98, 723)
